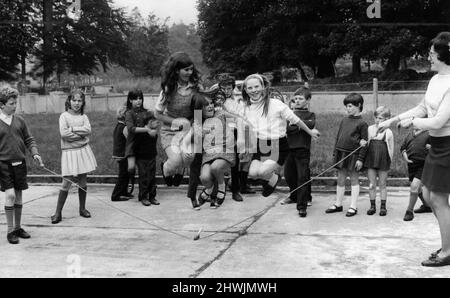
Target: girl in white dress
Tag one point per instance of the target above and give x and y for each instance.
(77, 158)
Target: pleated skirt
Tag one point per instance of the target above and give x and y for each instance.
(78, 161)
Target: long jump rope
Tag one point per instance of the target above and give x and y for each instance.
(197, 236)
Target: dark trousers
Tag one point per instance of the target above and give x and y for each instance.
(194, 176)
(297, 172)
(147, 183)
(121, 187)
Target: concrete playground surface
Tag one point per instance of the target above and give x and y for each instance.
(122, 238)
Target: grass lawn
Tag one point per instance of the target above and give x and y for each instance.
(44, 128)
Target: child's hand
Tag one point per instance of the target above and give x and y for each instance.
(125, 132)
(152, 132)
(315, 134)
(38, 160)
(153, 124)
(358, 165)
(428, 146)
(363, 143)
(406, 158)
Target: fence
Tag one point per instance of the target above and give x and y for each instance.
(322, 102)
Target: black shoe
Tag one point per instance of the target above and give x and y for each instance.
(408, 216)
(12, 238)
(56, 219)
(302, 213)
(237, 197)
(84, 213)
(437, 262)
(372, 210)
(146, 202)
(120, 199)
(268, 190)
(383, 212)
(167, 180)
(195, 204)
(177, 178)
(351, 212)
(334, 209)
(154, 201)
(21, 233)
(247, 190)
(423, 209)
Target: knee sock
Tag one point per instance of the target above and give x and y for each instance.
(412, 200)
(9, 211)
(17, 215)
(340, 192)
(82, 197)
(383, 204)
(354, 196)
(61, 200)
(372, 204)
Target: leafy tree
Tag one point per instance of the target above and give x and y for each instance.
(148, 46)
(185, 38)
(18, 35)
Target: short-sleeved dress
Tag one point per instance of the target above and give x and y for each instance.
(179, 105)
(77, 156)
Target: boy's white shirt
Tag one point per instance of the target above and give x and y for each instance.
(372, 134)
(6, 118)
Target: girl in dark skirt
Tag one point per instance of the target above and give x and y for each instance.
(433, 114)
(378, 159)
(351, 135)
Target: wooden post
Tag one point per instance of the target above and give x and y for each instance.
(375, 92)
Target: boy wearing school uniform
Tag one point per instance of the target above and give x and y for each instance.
(15, 138)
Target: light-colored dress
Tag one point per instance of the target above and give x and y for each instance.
(77, 156)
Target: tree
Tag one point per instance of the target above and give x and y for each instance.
(148, 46)
(80, 47)
(18, 36)
(256, 35)
(185, 38)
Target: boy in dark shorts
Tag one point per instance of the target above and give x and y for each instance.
(14, 140)
(414, 150)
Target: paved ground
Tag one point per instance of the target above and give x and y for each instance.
(121, 239)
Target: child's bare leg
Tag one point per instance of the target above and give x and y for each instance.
(253, 170)
(268, 171)
(414, 193)
(218, 168)
(206, 178)
(382, 176)
(174, 161)
(372, 175)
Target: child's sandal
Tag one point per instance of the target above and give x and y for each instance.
(220, 199)
(203, 197)
(351, 212)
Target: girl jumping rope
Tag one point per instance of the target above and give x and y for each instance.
(77, 158)
(174, 108)
(268, 118)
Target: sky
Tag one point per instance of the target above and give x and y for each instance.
(178, 10)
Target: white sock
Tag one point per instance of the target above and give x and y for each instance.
(221, 187)
(273, 180)
(340, 192)
(355, 195)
